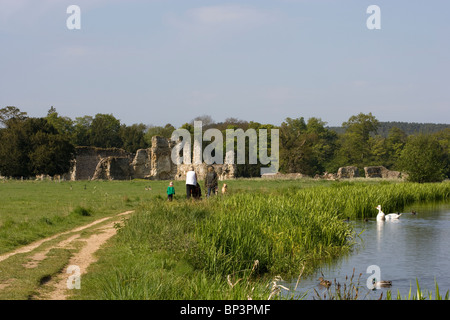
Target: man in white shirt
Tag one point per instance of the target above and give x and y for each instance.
(191, 181)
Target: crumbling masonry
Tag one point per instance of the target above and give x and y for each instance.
(154, 163)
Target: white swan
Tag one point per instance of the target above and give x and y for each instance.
(391, 216)
(380, 216)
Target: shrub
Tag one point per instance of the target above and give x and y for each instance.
(81, 211)
(423, 159)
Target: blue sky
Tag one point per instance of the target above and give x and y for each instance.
(158, 62)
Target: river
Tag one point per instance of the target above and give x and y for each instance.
(417, 246)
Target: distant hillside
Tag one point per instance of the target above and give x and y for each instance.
(407, 127)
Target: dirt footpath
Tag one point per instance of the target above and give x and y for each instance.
(102, 230)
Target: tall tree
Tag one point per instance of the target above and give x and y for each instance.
(81, 131)
(250, 169)
(64, 125)
(153, 130)
(133, 137)
(33, 146)
(395, 142)
(423, 159)
(355, 145)
(207, 121)
(324, 143)
(11, 112)
(14, 149)
(104, 131)
(443, 137)
(305, 147)
(295, 149)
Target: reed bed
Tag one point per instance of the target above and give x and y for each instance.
(358, 200)
(279, 231)
(285, 231)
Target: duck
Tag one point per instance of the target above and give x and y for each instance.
(391, 216)
(381, 284)
(323, 282)
(413, 212)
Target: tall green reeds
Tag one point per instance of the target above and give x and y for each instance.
(279, 231)
(285, 230)
(357, 200)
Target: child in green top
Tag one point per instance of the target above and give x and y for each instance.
(170, 191)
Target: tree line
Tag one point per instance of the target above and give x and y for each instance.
(408, 127)
(46, 145)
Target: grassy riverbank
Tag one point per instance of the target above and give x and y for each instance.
(31, 210)
(228, 247)
(233, 247)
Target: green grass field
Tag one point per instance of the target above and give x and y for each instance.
(31, 210)
(227, 247)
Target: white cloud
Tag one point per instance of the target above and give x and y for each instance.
(223, 17)
(227, 14)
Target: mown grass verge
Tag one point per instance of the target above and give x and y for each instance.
(32, 210)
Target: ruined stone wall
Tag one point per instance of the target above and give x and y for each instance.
(154, 163)
(87, 159)
(113, 168)
(141, 164)
(224, 171)
(287, 176)
(163, 168)
(348, 172)
(161, 164)
(381, 172)
(370, 172)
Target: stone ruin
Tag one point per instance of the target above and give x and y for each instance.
(348, 172)
(154, 163)
(370, 172)
(287, 176)
(88, 159)
(381, 172)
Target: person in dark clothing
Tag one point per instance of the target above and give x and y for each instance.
(211, 182)
(197, 192)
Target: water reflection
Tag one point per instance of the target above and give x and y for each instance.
(413, 247)
(380, 225)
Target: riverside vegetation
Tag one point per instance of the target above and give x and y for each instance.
(235, 247)
(226, 247)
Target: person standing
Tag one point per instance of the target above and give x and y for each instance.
(211, 183)
(191, 182)
(170, 191)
